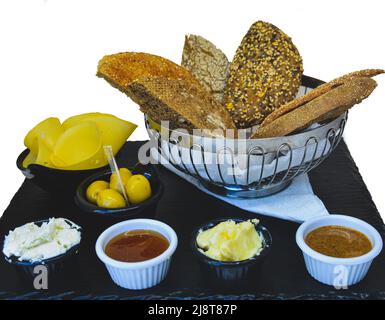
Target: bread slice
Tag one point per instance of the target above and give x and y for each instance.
(265, 73)
(164, 90)
(322, 89)
(163, 98)
(121, 69)
(319, 109)
(368, 73)
(207, 63)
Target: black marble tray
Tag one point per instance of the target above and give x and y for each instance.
(336, 181)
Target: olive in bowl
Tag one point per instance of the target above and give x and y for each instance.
(120, 211)
(231, 251)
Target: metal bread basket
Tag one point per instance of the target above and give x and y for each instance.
(248, 168)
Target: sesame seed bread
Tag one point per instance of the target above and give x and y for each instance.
(326, 87)
(368, 73)
(159, 95)
(337, 100)
(207, 63)
(265, 73)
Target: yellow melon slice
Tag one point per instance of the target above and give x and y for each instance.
(44, 155)
(79, 147)
(29, 159)
(74, 120)
(114, 131)
(49, 130)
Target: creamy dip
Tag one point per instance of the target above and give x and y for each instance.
(231, 241)
(33, 243)
(338, 242)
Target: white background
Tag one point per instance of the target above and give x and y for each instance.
(49, 52)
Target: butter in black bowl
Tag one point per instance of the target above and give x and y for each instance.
(56, 181)
(231, 251)
(108, 216)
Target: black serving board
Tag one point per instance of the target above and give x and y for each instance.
(336, 181)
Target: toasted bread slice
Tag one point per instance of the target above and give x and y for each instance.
(366, 73)
(121, 69)
(163, 98)
(322, 89)
(148, 79)
(207, 63)
(321, 108)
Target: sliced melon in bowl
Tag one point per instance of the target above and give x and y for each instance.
(44, 155)
(79, 147)
(114, 131)
(49, 129)
(29, 159)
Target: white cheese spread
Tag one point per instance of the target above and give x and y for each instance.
(33, 243)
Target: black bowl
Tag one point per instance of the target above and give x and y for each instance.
(54, 180)
(228, 274)
(58, 268)
(145, 209)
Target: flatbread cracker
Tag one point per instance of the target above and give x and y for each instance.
(320, 90)
(340, 98)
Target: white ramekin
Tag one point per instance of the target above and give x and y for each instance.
(137, 275)
(338, 272)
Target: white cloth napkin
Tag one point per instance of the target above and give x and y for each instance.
(296, 203)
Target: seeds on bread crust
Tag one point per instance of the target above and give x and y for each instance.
(356, 74)
(265, 74)
(324, 106)
(207, 63)
(320, 90)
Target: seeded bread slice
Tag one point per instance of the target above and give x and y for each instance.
(207, 63)
(321, 108)
(265, 73)
(162, 98)
(322, 89)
